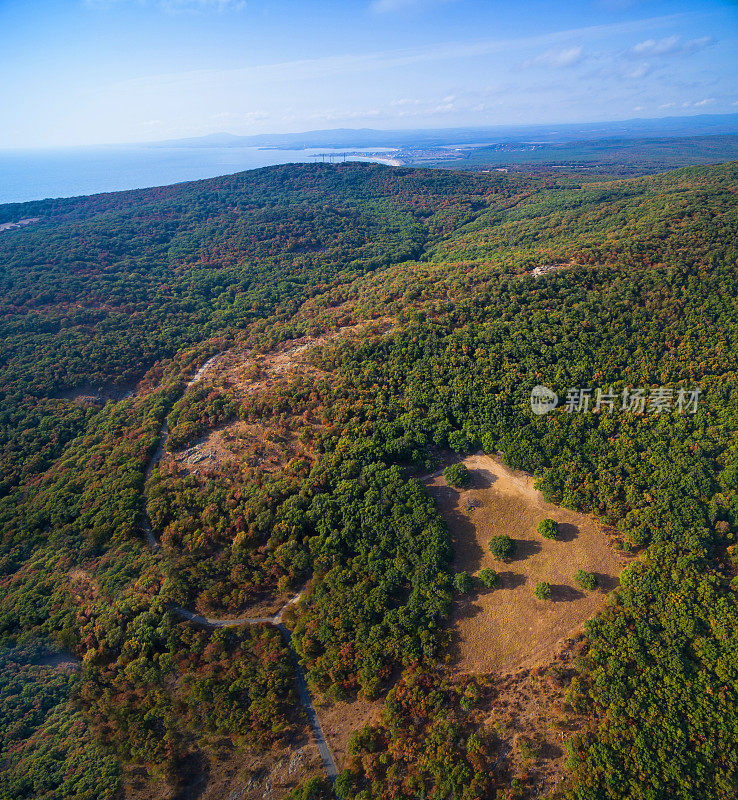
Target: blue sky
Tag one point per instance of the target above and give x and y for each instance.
(107, 71)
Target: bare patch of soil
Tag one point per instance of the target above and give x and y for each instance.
(62, 660)
(223, 772)
(544, 268)
(7, 226)
(249, 372)
(87, 394)
(263, 775)
(531, 723)
(242, 443)
(246, 373)
(340, 719)
(505, 628)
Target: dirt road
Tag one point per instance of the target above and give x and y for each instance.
(303, 692)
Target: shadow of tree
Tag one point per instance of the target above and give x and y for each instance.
(567, 532)
(467, 550)
(484, 591)
(193, 773)
(550, 751)
(606, 582)
(447, 496)
(481, 479)
(466, 608)
(560, 593)
(510, 580)
(524, 548)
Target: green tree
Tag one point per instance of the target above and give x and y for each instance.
(542, 590)
(463, 582)
(489, 577)
(457, 475)
(501, 546)
(311, 789)
(586, 580)
(548, 528)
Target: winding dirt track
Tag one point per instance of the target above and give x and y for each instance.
(303, 692)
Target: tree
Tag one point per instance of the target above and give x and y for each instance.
(542, 590)
(586, 580)
(463, 582)
(489, 577)
(548, 528)
(457, 475)
(501, 546)
(311, 789)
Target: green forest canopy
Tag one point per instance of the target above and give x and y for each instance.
(106, 290)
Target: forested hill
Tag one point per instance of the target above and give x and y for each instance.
(461, 292)
(171, 266)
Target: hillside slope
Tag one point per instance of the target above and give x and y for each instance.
(368, 324)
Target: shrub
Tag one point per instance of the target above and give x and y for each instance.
(542, 590)
(489, 577)
(463, 582)
(313, 789)
(501, 546)
(548, 528)
(586, 580)
(457, 475)
(458, 442)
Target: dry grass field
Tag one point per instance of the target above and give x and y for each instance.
(507, 627)
(340, 718)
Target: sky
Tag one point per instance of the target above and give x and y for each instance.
(81, 72)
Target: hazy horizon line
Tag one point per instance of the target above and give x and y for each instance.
(460, 127)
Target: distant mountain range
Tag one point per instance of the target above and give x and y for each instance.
(701, 124)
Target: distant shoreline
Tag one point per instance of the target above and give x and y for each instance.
(31, 176)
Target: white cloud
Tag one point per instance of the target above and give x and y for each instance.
(389, 6)
(693, 45)
(174, 6)
(325, 66)
(698, 103)
(409, 108)
(652, 47)
(670, 45)
(340, 115)
(204, 5)
(240, 118)
(404, 102)
(639, 71)
(557, 58)
(322, 67)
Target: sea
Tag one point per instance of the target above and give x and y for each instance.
(39, 174)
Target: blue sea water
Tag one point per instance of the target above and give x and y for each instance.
(38, 174)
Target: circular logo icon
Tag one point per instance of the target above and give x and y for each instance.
(542, 400)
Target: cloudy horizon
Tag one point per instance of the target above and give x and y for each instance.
(120, 71)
